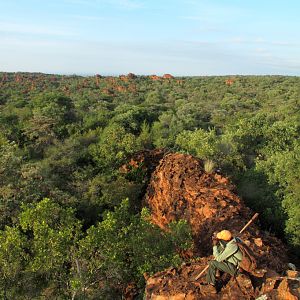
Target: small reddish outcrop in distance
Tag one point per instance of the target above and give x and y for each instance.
(229, 81)
(154, 77)
(168, 76)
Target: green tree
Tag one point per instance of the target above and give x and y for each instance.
(13, 259)
(201, 143)
(122, 247)
(58, 108)
(39, 132)
(10, 164)
(114, 145)
(145, 138)
(283, 168)
(54, 232)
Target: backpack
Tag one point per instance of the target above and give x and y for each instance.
(248, 262)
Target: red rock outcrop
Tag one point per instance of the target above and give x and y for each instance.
(123, 77)
(108, 91)
(168, 76)
(131, 76)
(154, 77)
(229, 81)
(121, 89)
(181, 189)
(98, 78)
(178, 283)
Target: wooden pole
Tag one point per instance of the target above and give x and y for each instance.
(241, 231)
(202, 272)
(252, 219)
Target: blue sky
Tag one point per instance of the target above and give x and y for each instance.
(182, 37)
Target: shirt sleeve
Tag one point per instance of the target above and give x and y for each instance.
(229, 250)
(216, 251)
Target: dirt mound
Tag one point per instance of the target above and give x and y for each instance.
(181, 189)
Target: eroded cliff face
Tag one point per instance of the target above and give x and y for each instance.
(180, 189)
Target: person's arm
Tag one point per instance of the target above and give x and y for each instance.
(217, 249)
(230, 249)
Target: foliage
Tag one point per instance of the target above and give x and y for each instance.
(113, 146)
(13, 258)
(10, 164)
(283, 169)
(200, 142)
(53, 237)
(41, 246)
(65, 138)
(123, 247)
(209, 166)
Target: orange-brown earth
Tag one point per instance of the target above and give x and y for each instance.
(229, 81)
(168, 76)
(180, 189)
(154, 77)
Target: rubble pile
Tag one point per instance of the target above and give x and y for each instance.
(179, 284)
(180, 189)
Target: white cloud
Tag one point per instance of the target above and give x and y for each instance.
(193, 18)
(261, 41)
(114, 57)
(128, 4)
(88, 17)
(29, 43)
(18, 28)
(121, 4)
(79, 2)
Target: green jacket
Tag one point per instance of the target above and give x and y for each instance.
(228, 252)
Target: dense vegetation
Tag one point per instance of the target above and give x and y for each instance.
(71, 225)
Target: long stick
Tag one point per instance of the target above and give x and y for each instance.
(252, 219)
(203, 271)
(241, 231)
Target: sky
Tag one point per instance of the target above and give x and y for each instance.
(181, 37)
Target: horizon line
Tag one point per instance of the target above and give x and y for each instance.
(145, 75)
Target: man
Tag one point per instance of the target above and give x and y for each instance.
(227, 256)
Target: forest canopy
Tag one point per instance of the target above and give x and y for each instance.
(71, 224)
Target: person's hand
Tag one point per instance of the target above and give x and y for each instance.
(214, 241)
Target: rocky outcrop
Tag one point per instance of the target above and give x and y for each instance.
(179, 283)
(168, 76)
(180, 189)
(131, 76)
(229, 81)
(154, 77)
